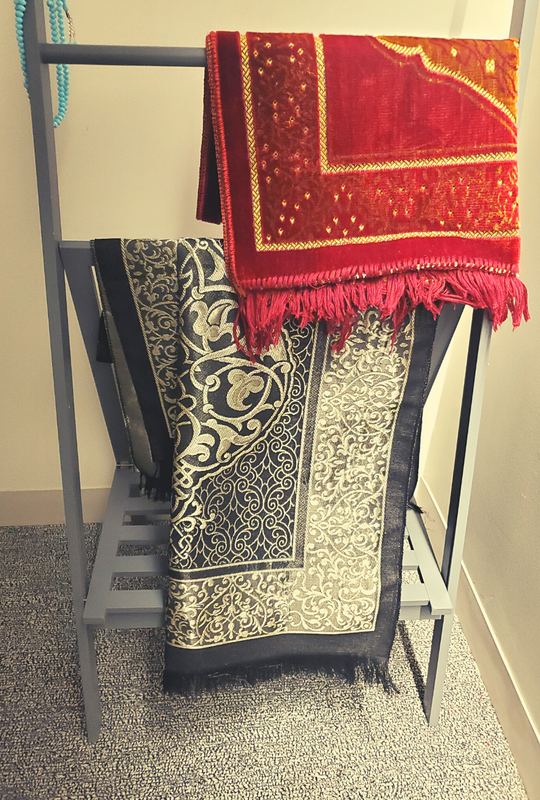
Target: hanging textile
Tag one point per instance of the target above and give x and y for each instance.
(137, 282)
(360, 172)
(290, 473)
(290, 486)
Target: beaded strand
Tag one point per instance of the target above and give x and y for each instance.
(57, 9)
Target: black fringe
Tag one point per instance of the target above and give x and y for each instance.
(350, 668)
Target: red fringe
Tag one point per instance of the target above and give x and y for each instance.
(263, 312)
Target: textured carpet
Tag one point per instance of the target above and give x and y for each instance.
(304, 738)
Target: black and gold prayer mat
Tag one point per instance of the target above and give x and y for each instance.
(290, 473)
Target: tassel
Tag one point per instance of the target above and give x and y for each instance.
(348, 667)
(263, 313)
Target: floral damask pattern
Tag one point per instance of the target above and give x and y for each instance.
(316, 566)
(239, 429)
(360, 396)
(151, 270)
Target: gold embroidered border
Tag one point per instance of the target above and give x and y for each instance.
(389, 237)
(263, 246)
(252, 150)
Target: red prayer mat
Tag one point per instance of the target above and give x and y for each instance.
(358, 171)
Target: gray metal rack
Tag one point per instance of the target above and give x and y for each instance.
(133, 520)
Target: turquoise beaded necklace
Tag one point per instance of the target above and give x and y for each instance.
(57, 9)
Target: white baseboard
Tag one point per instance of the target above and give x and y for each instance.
(508, 702)
(46, 507)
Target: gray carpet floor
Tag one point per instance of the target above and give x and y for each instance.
(301, 738)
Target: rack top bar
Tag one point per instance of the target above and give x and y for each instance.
(119, 55)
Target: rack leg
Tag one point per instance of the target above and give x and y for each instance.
(55, 286)
(469, 424)
(437, 668)
(90, 681)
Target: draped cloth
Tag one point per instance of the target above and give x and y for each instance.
(356, 171)
(136, 282)
(290, 471)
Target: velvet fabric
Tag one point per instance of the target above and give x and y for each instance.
(355, 172)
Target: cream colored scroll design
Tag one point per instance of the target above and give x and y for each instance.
(238, 429)
(337, 587)
(150, 265)
(361, 393)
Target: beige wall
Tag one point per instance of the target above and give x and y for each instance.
(502, 550)
(128, 163)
